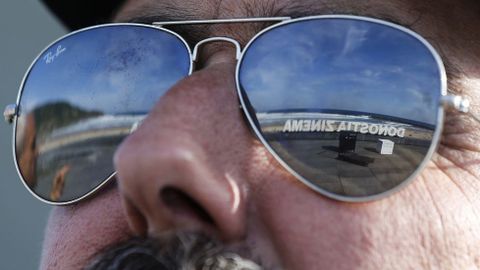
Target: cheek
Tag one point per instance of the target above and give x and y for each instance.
(308, 229)
(76, 233)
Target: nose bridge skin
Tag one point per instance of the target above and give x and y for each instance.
(185, 146)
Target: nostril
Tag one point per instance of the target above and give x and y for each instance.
(182, 204)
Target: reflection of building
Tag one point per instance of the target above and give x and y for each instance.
(104, 126)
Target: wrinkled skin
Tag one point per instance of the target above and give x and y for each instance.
(196, 140)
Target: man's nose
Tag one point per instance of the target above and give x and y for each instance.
(179, 171)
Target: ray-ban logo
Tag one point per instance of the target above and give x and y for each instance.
(51, 56)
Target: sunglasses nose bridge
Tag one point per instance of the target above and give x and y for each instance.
(238, 48)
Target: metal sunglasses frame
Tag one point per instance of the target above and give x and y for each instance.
(446, 101)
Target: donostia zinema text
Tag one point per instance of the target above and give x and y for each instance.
(338, 126)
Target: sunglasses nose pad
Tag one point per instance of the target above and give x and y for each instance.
(238, 47)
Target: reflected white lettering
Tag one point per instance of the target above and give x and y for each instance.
(305, 125)
(330, 126)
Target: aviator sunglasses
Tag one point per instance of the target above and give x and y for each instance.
(351, 106)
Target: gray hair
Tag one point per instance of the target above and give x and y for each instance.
(180, 251)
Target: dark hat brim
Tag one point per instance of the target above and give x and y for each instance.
(76, 14)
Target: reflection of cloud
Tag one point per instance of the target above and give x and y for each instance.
(396, 70)
(345, 66)
(371, 73)
(354, 39)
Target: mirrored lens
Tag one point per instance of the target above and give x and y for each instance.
(82, 96)
(349, 105)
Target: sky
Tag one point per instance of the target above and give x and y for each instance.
(115, 70)
(342, 64)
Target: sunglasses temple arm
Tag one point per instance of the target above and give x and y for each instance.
(460, 104)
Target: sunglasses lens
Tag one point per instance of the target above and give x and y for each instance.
(349, 106)
(82, 96)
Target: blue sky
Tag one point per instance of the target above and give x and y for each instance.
(342, 64)
(115, 70)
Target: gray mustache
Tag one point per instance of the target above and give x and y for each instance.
(179, 251)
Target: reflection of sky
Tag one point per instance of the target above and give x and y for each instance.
(342, 64)
(117, 69)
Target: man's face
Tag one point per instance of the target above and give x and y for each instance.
(194, 164)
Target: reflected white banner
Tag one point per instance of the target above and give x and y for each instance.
(306, 125)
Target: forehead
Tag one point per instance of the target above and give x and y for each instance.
(406, 12)
(148, 11)
(209, 9)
